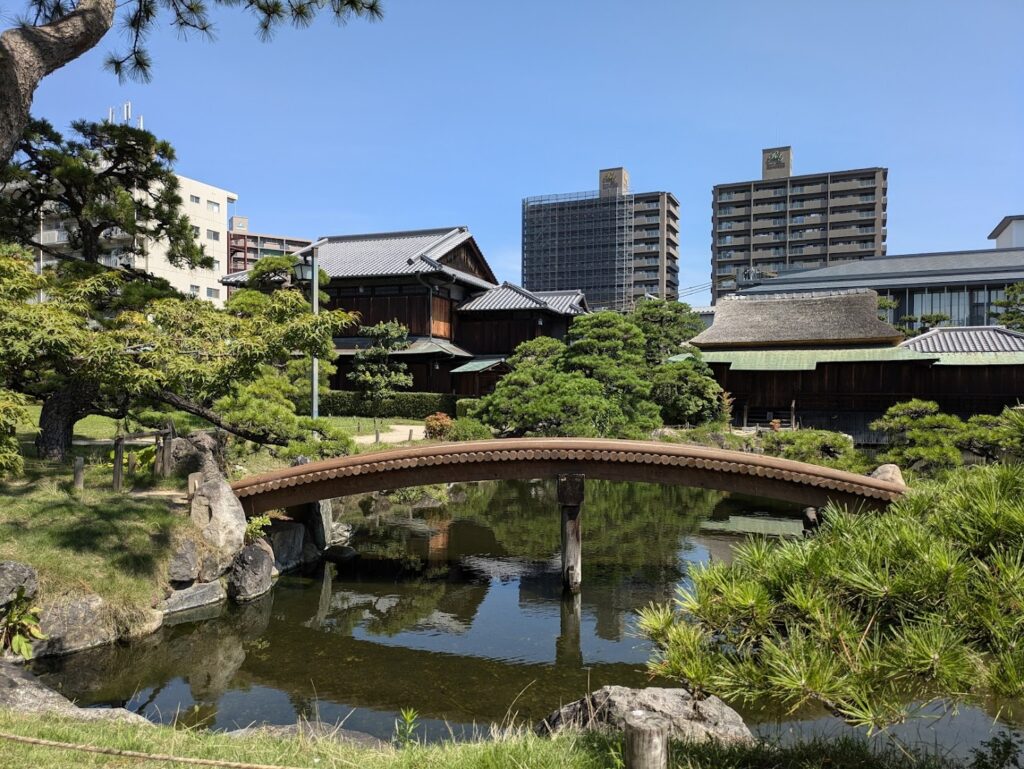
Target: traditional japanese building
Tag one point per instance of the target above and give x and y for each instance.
(826, 360)
(462, 323)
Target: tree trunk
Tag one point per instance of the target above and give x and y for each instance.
(61, 410)
(30, 53)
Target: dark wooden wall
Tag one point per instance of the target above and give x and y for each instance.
(499, 333)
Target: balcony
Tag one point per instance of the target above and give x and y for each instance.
(767, 238)
(849, 216)
(729, 196)
(760, 224)
(851, 184)
(769, 208)
(852, 248)
(770, 194)
(736, 211)
(735, 241)
(51, 237)
(806, 189)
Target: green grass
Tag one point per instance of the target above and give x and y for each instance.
(93, 541)
(99, 428)
(364, 425)
(520, 751)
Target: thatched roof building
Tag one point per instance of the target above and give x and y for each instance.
(826, 319)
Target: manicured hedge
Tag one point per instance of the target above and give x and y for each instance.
(342, 403)
(463, 406)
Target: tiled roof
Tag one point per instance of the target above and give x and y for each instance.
(387, 253)
(347, 346)
(509, 296)
(839, 318)
(806, 359)
(967, 339)
(994, 264)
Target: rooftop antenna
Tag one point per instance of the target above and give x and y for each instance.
(140, 122)
(110, 114)
(127, 112)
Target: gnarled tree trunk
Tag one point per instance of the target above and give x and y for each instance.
(30, 53)
(61, 409)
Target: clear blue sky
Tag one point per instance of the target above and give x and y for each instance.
(449, 112)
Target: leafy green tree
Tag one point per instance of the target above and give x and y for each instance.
(667, 326)
(875, 613)
(182, 353)
(1011, 308)
(376, 374)
(921, 436)
(52, 33)
(687, 393)
(610, 349)
(112, 186)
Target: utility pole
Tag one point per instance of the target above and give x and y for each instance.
(316, 361)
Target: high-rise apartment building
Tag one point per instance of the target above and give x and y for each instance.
(245, 247)
(205, 206)
(781, 223)
(615, 245)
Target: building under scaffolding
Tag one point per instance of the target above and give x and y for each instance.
(613, 245)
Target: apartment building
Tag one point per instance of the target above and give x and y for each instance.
(245, 247)
(615, 245)
(780, 223)
(206, 207)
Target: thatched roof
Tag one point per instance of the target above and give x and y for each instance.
(827, 319)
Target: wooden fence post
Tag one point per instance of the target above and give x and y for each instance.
(118, 462)
(133, 461)
(79, 473)
(646, 740)
(167, 458)
(570, 498)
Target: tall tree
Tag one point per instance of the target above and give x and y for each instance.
(56, 32)
(184, 353)
(376, 374)
(1011, 309)
(667, 326)
(111, 186)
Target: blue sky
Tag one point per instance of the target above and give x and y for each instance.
(451, 111)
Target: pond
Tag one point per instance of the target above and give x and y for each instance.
(454, 607)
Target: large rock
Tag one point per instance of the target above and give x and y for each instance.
(218, 515)
(14, 575)
(251, 574)
(200, 594)
(21, 692)
(184, 564)
(198, 452)
(890, 473)
(692, 719)
(287, 539)
(320, 523)
(74, 624)
(209, 567)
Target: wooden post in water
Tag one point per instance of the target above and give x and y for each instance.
(79, 473)
(118, 462)
(646, 740)
(570, 497)
(568, 652)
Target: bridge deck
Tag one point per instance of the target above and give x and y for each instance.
(524, 458)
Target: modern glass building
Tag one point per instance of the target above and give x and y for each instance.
(963, 285)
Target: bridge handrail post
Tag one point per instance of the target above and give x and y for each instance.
(570, 498)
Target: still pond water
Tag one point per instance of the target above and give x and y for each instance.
(454, 607)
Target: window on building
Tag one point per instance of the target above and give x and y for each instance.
(212, 235)
(193, 198)
(195, 231)
(725, 196)
(778, 236)
(213, 293)
(193, 290)
(778, 206)
(213, 206)
(725, 239)
(797, 188)
(796, 250)
(799, 219)
(216, 265)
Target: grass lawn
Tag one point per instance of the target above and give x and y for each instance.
(522, 751)
(114, 545)
(364, 425)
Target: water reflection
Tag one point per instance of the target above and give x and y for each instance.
(453, 607)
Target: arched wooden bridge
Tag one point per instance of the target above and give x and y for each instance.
(527, 458)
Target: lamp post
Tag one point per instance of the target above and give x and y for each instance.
(307, 271)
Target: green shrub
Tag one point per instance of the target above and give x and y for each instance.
(465, 407)
(467, 429)
(819, 447)
(403, 405)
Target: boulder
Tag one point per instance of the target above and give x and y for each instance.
(199, 594)
(74, 624)
(209, 567)
(14, 575)
(198, 452)
(21, 692)
(890, 473)
(218, 515)
(339, 554)
(147, 623)
(287, 540)
(341, 533)
(251, 573)
(320, 523)
(692, 719)
(184, 564)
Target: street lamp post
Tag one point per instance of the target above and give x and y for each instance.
(309, 272)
